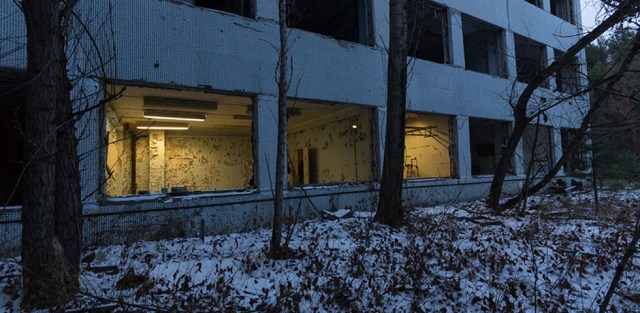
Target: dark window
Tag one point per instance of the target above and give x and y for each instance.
(239, 7)
(531, 58)
(487, 141)
(537, 3)
(538, 150)
(579, 159)
(11, 136)
(568, 77)
(427, 31)
(483, 46)
(563, 9)
(340, 19)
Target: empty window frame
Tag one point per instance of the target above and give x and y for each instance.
(568, 77)
(488, 138)
(427, 25)
(538, 150)
(240, 7)
(157, 141)
(429, 146)
(340, 19)
(483, 47)
(531, 58)
(329, 143)
(578, 160)
(11, 136)
(563, 9)
(537, 3)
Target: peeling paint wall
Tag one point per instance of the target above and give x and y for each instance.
(342, 154)
(209, 163)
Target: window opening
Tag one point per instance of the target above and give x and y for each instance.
(531, 58)
(538, 149)
(239, 7)
(563, 9)
(11, 136)
(340, 19)
(427, 31)
(428, 146)
(176, 142)
(568, 77)
(537, 3)
(579, 159)
(329, 143)
(488, 138)
(483, 45)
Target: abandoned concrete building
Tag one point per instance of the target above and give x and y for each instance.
(188, 134)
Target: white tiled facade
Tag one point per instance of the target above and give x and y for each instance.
(176, 45)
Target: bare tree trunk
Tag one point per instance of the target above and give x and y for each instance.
(520, 108)
(275, 250)
(50, 246)
(390, 211)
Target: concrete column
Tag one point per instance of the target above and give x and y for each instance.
(463, 159)
(456, 38)
(519, 165)
(546, 5)
(265, 141)
(156, 160)
(267, 10)
(90, 134)
(550, 58)
(557, 148)
(382, 130)
(510, 54)
(380, 22)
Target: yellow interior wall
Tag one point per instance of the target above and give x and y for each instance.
(431, 153)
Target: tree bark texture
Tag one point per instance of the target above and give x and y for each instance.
(275, 250)
(520, 108)
(390, 210)
(51, 212)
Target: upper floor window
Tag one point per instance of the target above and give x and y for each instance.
(483, 47)
(563, 9)
(427, 31)
(568, 77)
(531, 58)
(239, 7)
(537, 3)
(340, 19)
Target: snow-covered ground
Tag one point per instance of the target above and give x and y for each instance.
(560, 256)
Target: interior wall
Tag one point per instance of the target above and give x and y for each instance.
(428, 157)
(208, 163)
(342, 154)
(487, 137)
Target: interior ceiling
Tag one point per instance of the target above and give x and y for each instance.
(129, 108)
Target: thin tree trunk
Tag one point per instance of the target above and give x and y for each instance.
(390, 211)
(276, 234)
(51, 213)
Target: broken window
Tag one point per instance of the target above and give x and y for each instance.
(483, 46)
(568, 77)
(239, 7)
(537, 3)
(531, 58)
(563, 9)
(538, 149)
(488, 138)
(177, 142)
(579, 159)
(428, 146)
(340, 19)
(329, 143)
(11, 136)
(427, 31)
